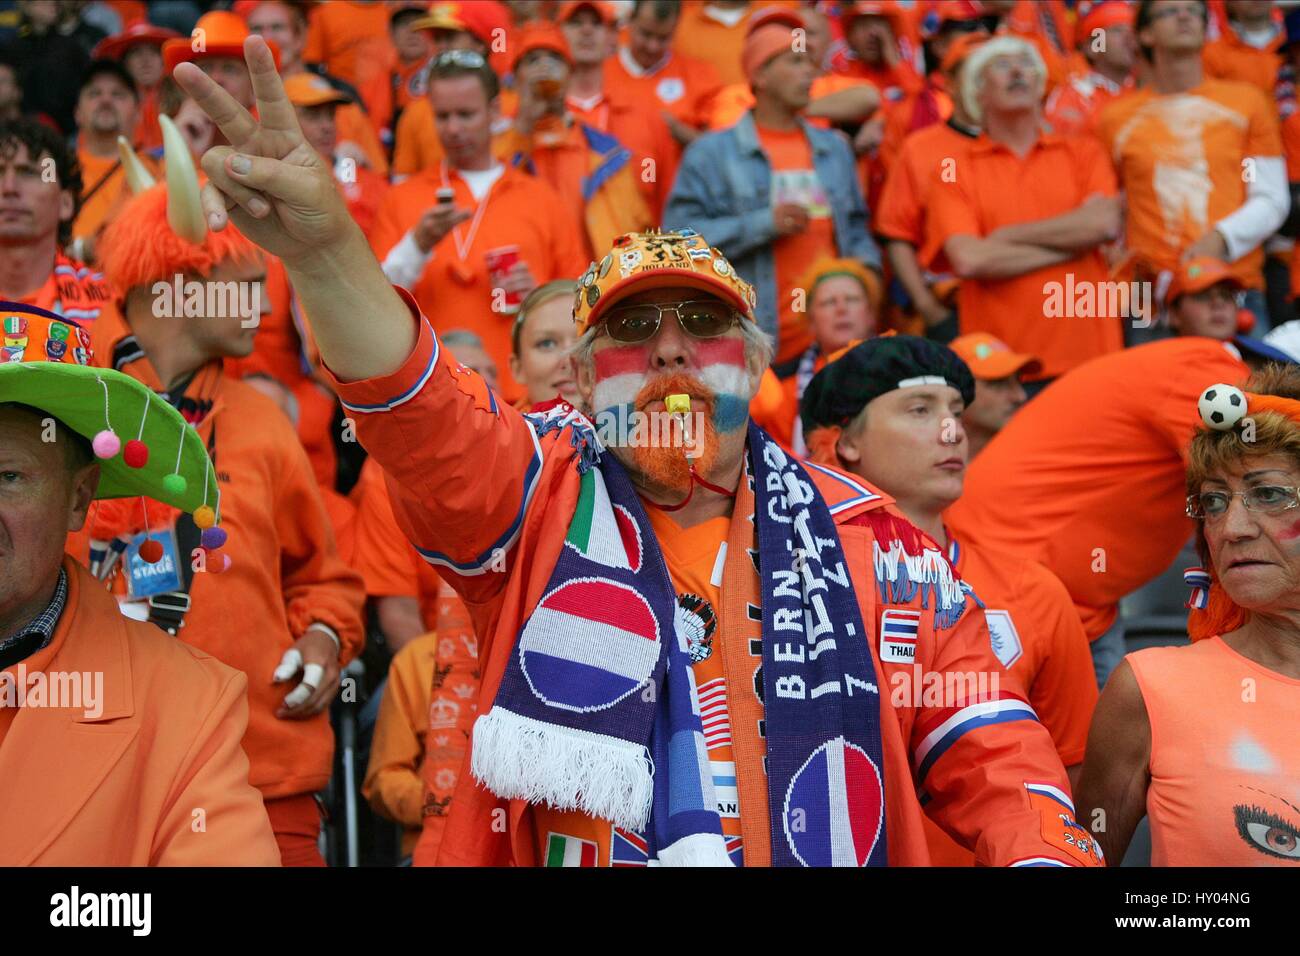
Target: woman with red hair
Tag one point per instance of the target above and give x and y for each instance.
(1202, 739)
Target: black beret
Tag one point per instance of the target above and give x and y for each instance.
(843, 388)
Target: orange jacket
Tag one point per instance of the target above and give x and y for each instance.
(286, 571)
(635, 121)
(438, 433)
(125, 787)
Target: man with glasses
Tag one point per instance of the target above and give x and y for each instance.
(471, 236)
(598, 581)
(1199, 159)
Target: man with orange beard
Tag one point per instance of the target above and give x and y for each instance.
(590, 558)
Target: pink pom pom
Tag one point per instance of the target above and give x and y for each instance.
(218, 563)
(106, 444)
(136, 454)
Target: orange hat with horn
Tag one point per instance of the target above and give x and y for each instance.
(162, 231)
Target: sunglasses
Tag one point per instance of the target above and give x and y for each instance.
(701, 319)
(469, 59)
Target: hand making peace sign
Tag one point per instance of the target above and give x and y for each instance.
(277, 189)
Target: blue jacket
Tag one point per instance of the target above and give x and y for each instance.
(723, 191)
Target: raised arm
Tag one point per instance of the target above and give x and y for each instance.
(274, 186)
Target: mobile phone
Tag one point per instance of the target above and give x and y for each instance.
(445, 195)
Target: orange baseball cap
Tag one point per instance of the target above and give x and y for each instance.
(1197, 275)
(308, 89)
(990, 358)
(1103, 14)
(652, 260)
(570, 8)
(872, 8)
(218, 33)
(442, 16)
(539, 35)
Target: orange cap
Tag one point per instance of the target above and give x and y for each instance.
(872, 8)
(1197, 275)
(539, 35)
(308, 89)
(115, 47)
(761, 45)
(442, 16)
(786, 15)
(641, 261)
(990, 358)
(219, 33)
(569, 8)
(960, 48)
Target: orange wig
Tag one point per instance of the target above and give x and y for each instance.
(140, 247)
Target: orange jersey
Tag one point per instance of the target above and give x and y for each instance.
(1072, 108)
(795, 181)
(1231, 58)
(383, 557)
(1088, 478)
(436, 432)
(638, 126)
(1224, 767)
(917, 111)
(1037, 636)
(521, 211)
(1056, 176)
(1180, 161)
(680, 86)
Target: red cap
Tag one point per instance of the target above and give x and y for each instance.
(115, 47)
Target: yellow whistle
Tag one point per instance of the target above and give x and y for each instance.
(678, 404)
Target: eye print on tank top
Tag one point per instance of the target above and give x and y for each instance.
(1266, 831)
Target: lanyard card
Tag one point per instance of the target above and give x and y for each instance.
(146, 580)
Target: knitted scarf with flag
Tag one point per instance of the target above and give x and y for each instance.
(598, 710)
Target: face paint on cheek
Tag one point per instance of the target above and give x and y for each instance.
(725, 372)
(620, 372)
(1289, 537)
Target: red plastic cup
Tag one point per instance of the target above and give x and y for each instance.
(499, 263)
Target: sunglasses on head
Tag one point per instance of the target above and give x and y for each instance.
(701, 319)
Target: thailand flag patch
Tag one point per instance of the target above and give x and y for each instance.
(899, 629)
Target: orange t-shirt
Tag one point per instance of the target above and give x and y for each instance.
(701, 35)
(351, 41)
(1056, 176)
(457, 293)
(1230, 58)
(97, 211)
(694, 560)
(1037, 636)
(1224, 766)
(794, 180)
(682, 87)
(1088, 478)
(1179, 159)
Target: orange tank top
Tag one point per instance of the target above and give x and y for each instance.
(1225, 769)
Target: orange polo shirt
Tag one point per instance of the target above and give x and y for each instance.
(1179, 158)
(456, 293)
(925, 158)
(568, 838)
(795, 180)
(636, 124)
(1231, 58)
(1056, 176)
(97, 211)
(682, 86)
(702, 36)
(1088, 478)
(1037, 636)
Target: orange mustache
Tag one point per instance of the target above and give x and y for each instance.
(668, 468)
